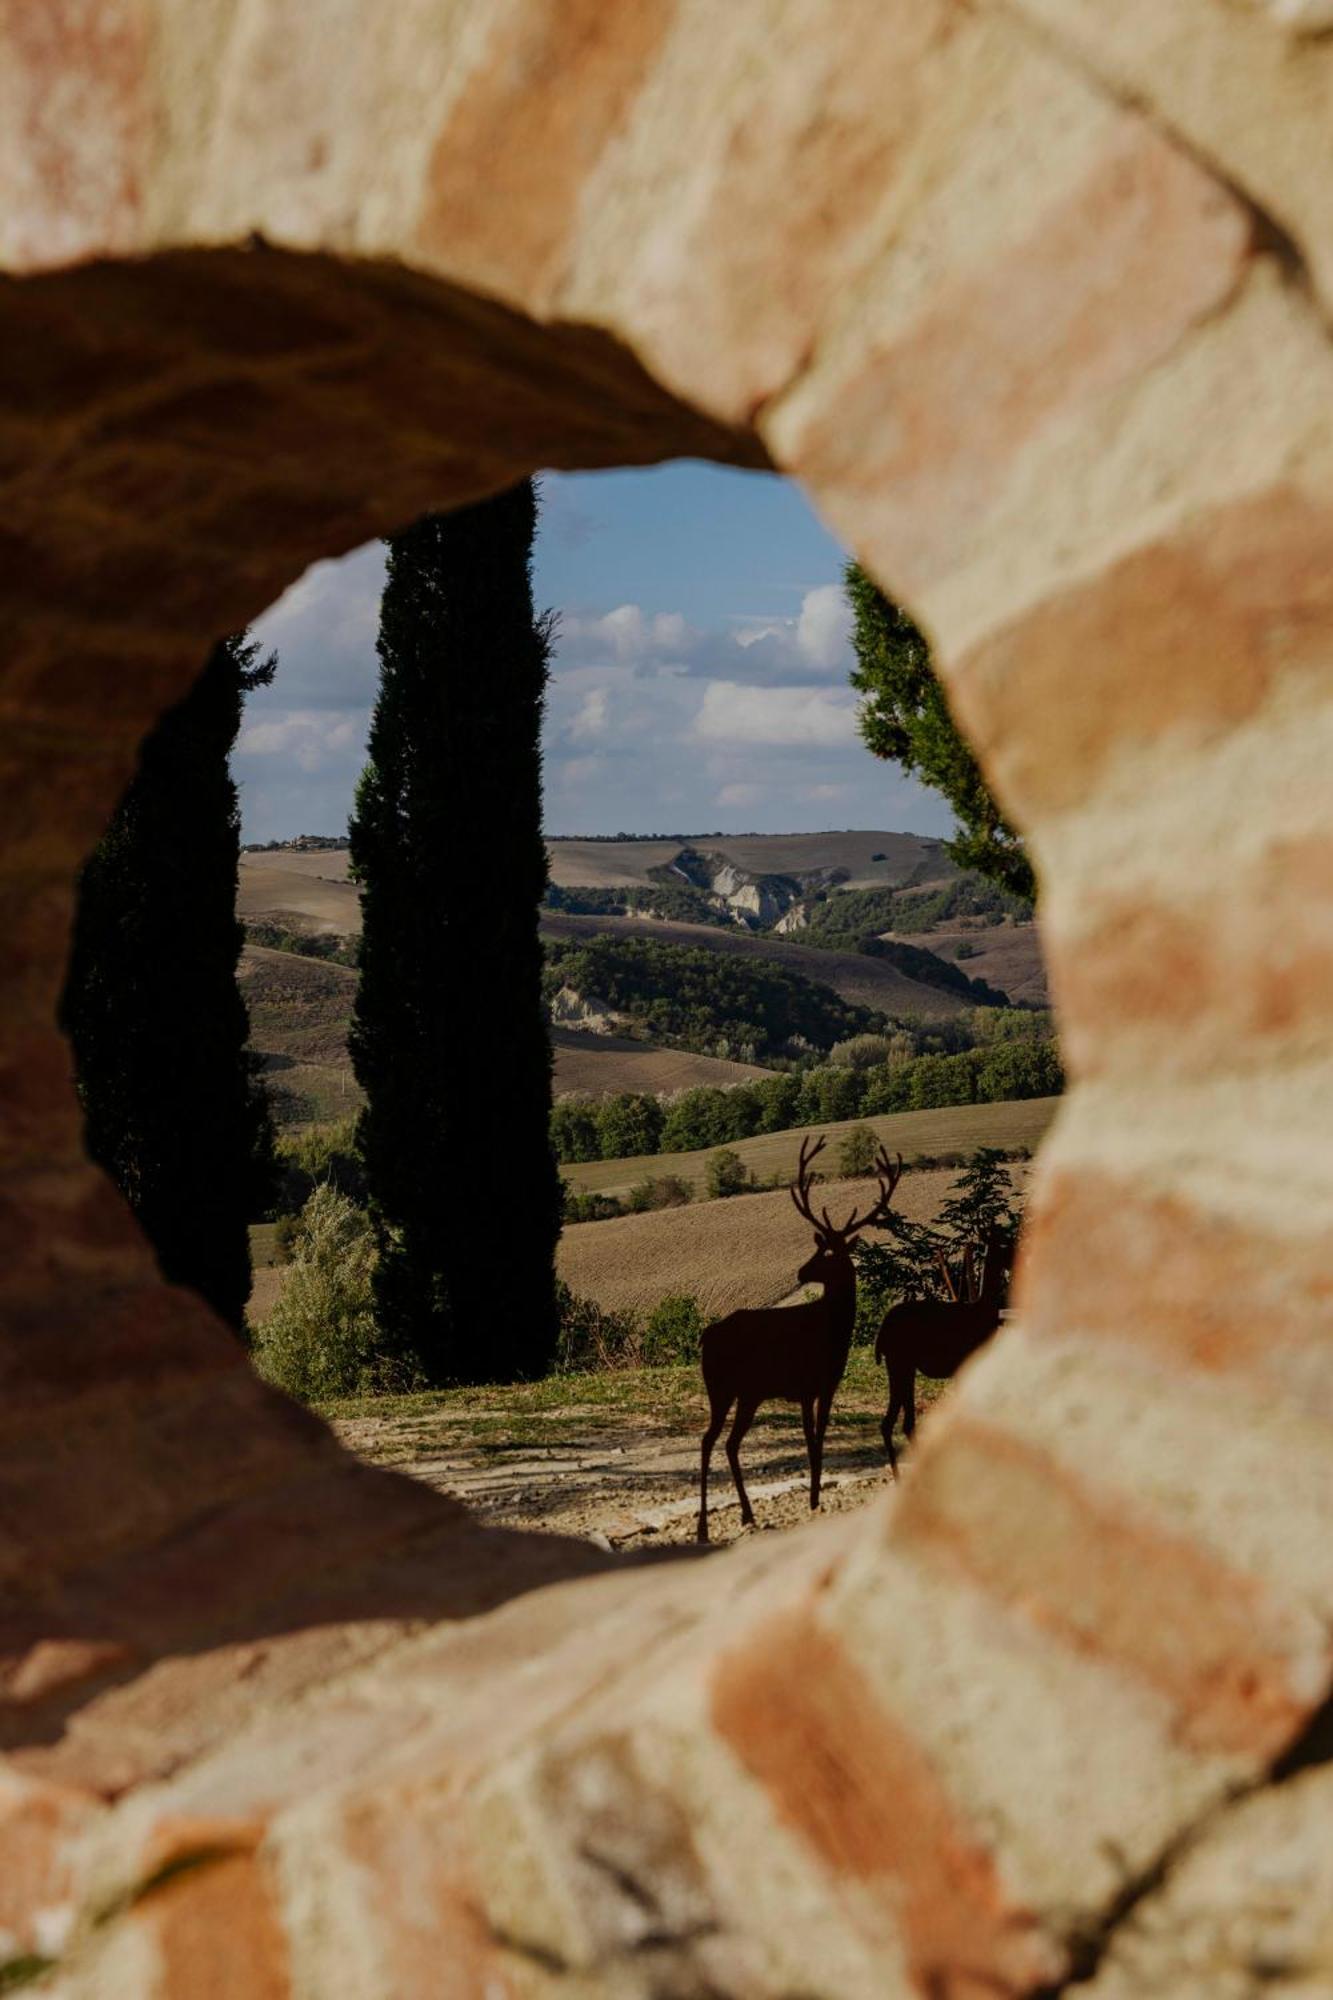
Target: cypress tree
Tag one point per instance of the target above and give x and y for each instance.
(448, 1038)
(174, 1109)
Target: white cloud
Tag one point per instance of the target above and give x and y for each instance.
(813, 717)
(814, 642)
(627, 635)
(650, 719)
(309, 737)
(812, 645)
(576, 773)
(591, 717)
(823, 629)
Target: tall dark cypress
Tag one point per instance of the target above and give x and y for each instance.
(448, 1039)
(174, 1108)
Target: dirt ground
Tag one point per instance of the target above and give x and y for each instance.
(625, 1476)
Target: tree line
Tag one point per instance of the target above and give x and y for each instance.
(633, 1123)
(678, 902)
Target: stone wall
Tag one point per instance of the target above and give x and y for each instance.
(1032, 295)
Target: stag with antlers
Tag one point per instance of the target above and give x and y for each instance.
(934, 1337)
(794, 1354)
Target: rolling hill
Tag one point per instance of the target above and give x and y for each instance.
(599, 1065)
(861, 981)
(871, 860)
(315, 882)
(1005, 955)
(301, 891)
(300, 1008)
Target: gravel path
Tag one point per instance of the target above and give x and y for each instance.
(622, 1488)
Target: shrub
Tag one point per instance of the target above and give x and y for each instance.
(320, 1338)
(590, 1207)
(726, 1175)
(862, 1051)
(326, 1155)
(591, 1338)
(306, 944)
(856, 1154)
(668, 1191)
(285, 1233)
(673, 1330)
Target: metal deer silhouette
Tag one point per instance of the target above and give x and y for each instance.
(795, 1354)
(934, 1337)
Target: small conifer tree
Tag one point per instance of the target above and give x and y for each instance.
(175, 1110)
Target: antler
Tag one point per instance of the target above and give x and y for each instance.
(889, 1175)
(800, 1187)
(945, 1270)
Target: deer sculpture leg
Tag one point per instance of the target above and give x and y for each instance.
(817, 1457)
(887, 1422)
(717, 1416)
(808, 1425)
(902, 1403)
(909, 1407)
(745, 1414)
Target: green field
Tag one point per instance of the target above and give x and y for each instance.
(958, 1128)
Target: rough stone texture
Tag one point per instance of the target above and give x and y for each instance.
(1031, 293)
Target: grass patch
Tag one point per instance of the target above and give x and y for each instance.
(263, 1249)
(619, 1391)
(566, 1410)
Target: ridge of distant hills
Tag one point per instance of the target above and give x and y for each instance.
(760, 896)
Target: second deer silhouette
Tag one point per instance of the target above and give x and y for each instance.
(934, 1337)
(796, 1354)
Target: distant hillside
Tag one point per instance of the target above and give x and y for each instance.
(716, 1003)
(760, 881)
(302, 890)
(859, 980)
(862, 860)
(604, 1065)
(760, 894)
(299, 1012)
(871, 860)
(300, 1009)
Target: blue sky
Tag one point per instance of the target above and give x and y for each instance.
(699, 682)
